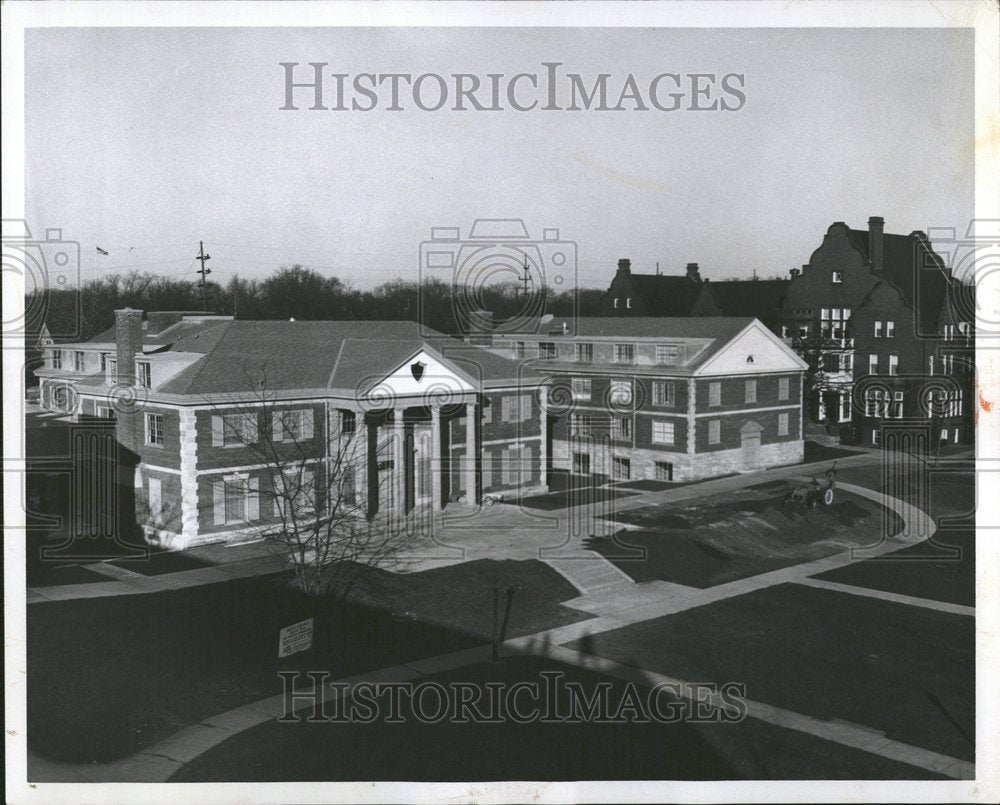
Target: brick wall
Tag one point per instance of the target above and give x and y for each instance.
(733, 391)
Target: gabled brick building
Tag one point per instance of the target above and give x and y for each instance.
(664, 399)
(427, 420)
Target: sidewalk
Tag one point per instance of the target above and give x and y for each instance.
(462, 534)
(626, 605)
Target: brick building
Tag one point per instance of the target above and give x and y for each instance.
(664, 398)
(877, 316)
(199, 399)
(875, 313)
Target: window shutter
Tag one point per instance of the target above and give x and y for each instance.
(308, 417)
(525, 407)
(277, 427)
(219, 501)
(251, 432)
(253, 499)
(217, 438)
(276, 487)
(487, 469)
(529, 457)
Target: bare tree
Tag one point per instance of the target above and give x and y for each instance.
(311, 488)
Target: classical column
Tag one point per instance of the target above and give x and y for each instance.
(399, 461)
(543, 447)
(436, 463)
(371, 465)
(471, 454)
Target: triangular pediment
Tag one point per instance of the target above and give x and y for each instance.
(755, 350)
(424, 374)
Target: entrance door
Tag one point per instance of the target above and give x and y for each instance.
(750, 443)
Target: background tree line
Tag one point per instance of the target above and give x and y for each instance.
(290, 292)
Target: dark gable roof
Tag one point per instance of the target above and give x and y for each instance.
(665, 295)
(714, 331)
(161, 327)
(761, 299)
(289, 356)
(654, 326)
(904, 259)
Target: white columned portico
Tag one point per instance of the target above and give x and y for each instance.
(436, 464)
(399, 461)
(543, 447)
(471, 454)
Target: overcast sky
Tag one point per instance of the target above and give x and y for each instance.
(146, 141)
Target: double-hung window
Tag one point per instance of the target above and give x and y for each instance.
(143, 374)
(581, 388)
(622, 428)
(620, 392)
(663, 432)
(585, 353)
(667, 354)
(294, 426)
(664, 393)
(231, 430)
(154, 429)
(624, 353)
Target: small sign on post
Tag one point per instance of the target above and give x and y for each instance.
(295, 638)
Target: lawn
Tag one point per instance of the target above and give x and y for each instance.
(942, 569)
(110, 676)
(907, 670)
(702, 543)
(446, 751)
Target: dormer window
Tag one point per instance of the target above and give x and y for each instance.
(837, 277)
(667, 354)
(616, 303)
(628, 303)
(111, 371)
(143, 374)
(624, 353)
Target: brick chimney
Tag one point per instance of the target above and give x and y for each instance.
(128, 339)
(875, 240)
(624, 264)
(692, 272)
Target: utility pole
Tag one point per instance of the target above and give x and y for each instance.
(526, 279)
(204, 273)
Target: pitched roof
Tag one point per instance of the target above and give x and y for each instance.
(287, 355)
(161, 327)
(653, 326)
(761, 299)
(666, 295)
(905, 258)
